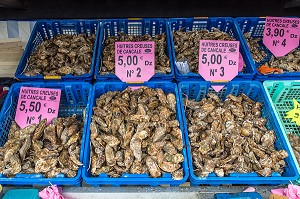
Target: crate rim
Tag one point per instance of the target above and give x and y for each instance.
(229, 179)
(149, 181)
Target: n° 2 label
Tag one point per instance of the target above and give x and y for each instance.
(134, 61)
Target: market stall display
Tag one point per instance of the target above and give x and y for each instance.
(62, 55)
(162, 64)
(153, 102)
(132, 134)
(186, 44)
(49, 150)
(231, 136)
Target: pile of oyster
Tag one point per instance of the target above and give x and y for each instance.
(136, 132)
(62, 55)
(287, 63)
(295, 143)
(258, 54)
(162, 61)
(186, 44)
(38, 148)
(231, 136)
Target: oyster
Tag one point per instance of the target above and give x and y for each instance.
(254, 44)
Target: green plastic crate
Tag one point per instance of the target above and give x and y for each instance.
(281, 95)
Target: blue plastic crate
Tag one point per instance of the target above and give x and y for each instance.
(151, 26)
(126, 178)
(48, 29)
(198, 90)
(74, 100)
(256, 25)
(225, 24)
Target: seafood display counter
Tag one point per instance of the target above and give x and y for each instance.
(175, 135)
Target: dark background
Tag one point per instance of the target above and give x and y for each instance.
(43, 9)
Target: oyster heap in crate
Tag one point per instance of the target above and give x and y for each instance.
(231, 136)
(162, 61)
(37, 148)
(287, 63)
(62, 55)
(136, 132)
(186, 44)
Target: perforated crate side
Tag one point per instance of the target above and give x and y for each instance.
(198, 90)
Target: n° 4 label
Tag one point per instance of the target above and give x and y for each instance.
(281, 35)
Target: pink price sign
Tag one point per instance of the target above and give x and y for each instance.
(281, 35)
(134, 61)
(218, 61)
(241, 63)
(36, 104)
